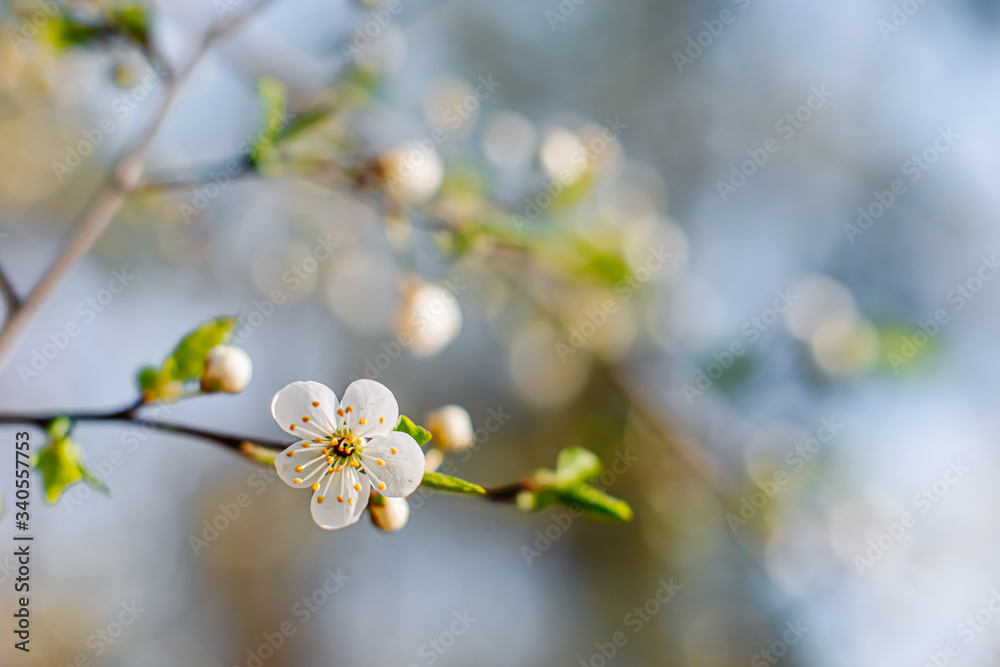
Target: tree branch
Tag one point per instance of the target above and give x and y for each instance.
(125, 176)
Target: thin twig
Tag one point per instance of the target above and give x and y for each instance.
(102, 208)
(10, 297)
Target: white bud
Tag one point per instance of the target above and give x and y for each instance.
(391, 514)
(451, 427)
(227, 369)
(413, 173)
(429, 319)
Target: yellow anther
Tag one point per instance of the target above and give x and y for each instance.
(297, 480)
(350, 501)
(381, 486)
(320, 499)
(315, 404)
(357, 487)
(350, 409)
(318, 440)
(393, 450)
(292, 427)
(306, 419)
(340, 499)
(298, 468)
(290, 454)
(380, 462)
(381, 420)
(329, 459)
(316, 486)
(340, 411)
(362, 421)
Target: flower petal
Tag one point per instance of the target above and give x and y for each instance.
(306, 409)
(302, 465)
(402, 464)
(372, 402)
(342, 504)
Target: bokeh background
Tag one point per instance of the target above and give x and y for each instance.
(859, 299)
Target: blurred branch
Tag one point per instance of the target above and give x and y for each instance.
(10, 296)
(125, 177)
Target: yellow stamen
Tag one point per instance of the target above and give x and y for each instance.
(320, 499)
(350, 409)
(340, 499)
(362, 421)
(357, 487)
(298, 468)
(381, 420)
(306, 419)
(393, 450)
(380, 462)
(316, 486)
(381, 486)
(340, 411)
(292, 427)
(297, 480)
(350, 501)
(290, 454)
(315, 404)
(329, 459)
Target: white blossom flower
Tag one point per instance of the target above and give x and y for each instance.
(227, 369)
(349, 447)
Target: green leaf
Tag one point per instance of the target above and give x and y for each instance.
(595, 503)
(273, 96)
(189, 355)
(418, 433)
(441, 482)
(61, 462)
(303, 123)
(576, 465)
(133, 22)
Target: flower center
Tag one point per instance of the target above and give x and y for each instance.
(343, 448)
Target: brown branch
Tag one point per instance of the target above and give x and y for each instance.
(125, 177)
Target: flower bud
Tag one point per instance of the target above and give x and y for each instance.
(389, 514)
(413, 173)
(433, 458)
(451, 427)
(429, 318)
(227, 369)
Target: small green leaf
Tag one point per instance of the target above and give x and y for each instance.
(61, 462)
(595, 503)
(441, 482)
(189, 355)
(303, 123)
(576, 465)
(418, 433)
(133, 22)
